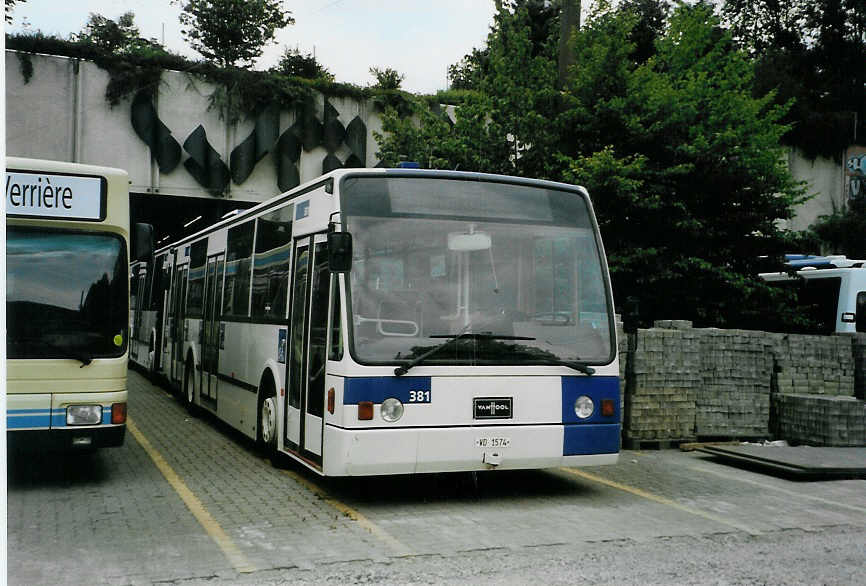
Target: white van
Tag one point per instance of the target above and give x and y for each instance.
(831, 288)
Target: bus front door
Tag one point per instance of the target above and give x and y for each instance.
(211, 330)
(307, 347)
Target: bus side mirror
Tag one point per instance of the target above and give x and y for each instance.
(339, 252)
(142, 241)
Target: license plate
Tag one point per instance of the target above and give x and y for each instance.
(491, 408)
(492, 442)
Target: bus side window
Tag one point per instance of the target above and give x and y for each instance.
(861, 311)
(271, 262)
(239, 250)
(195, 294)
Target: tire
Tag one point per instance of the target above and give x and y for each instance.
(266, 432)
(188, 390)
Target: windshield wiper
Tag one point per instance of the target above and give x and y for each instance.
(578, 366)
(401, 370)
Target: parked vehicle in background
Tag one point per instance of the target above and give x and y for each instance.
(830, 290)
(67, 250)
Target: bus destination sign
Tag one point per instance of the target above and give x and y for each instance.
(48, 195)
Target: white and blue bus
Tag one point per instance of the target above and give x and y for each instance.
(395, 321)
(67, 251)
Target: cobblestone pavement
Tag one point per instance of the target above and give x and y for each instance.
(187, 500)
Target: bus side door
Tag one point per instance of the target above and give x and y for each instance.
(211, 330)
(143, 302)
(307, 348)
(176, 334)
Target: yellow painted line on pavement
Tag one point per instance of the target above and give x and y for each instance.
(660, 499)
(228, 547)
(398, 547)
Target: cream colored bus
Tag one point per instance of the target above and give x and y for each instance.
(67, 303)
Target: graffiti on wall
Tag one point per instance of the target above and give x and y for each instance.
(206, 166)
(855, 172)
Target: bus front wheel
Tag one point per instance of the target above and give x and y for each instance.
(267, 432)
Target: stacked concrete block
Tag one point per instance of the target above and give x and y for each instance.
(733, 398)
(821, 420)
(859, 346)
(664, 372)
(815, 365)
(680, 383)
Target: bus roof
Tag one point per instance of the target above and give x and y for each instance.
(328, 179)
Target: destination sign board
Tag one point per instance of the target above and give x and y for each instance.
(51, 195)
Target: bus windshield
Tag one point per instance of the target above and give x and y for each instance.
(516, 266)
(66, 294)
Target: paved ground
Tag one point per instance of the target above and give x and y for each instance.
(187, 501)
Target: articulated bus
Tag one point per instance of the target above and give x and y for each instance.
(395, 321)
(67, 251)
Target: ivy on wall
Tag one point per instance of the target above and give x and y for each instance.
(239, 94)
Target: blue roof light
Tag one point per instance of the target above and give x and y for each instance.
(408, 165)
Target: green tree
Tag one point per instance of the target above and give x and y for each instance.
(811, 52)
(297, 64)
(120, 36)
(684, 164)
(702, 168)
(842, 232)
(505, 126)
(469, 71)
(543, 22)
(387, 79)
(232, 33)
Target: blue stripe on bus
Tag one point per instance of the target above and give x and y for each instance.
(581, 439)
(379, 388)
(25, 418)
(594, 387)
(28, 418)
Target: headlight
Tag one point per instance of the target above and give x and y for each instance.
(392, 409)
(83, 414)
(583, 407)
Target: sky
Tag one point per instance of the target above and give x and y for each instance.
(418, 38)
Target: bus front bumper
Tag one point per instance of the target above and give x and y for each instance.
(362, 452)
(69, 438)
